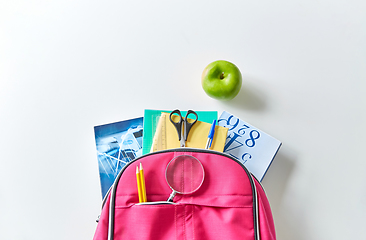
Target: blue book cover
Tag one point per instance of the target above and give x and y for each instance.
(117, 144)
(251, 146)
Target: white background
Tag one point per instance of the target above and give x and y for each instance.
(67, 66)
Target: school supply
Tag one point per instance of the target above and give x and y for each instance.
(224, 202)
(211, 135)
(139, 188)
(183, 126)
(197, 138)
(140, 179)
(159, 140)
(184, 175)
(117, 144)
(249, 145)
(151, 121)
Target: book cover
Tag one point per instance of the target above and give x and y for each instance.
(251, 146)
(117, 144)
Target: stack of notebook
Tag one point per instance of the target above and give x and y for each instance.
(121, 142)
(160, 133)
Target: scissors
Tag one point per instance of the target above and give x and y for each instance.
(183, 126)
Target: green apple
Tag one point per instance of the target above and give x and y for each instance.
(221, 80)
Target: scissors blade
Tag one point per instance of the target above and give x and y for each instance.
(182, 137)
(182, 142)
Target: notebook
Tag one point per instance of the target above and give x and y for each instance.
(166, 136)
(151, 120)
(251, 146)
(117, 144)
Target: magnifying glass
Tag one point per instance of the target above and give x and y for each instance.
(184, 175)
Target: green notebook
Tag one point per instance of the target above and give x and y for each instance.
(151, 119)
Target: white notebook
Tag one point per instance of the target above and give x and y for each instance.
(251, 146)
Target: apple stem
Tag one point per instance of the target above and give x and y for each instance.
(222, 76)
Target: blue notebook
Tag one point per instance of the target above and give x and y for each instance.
(117, 144)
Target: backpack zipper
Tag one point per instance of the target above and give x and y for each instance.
(113, 188)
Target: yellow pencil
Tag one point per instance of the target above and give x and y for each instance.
(143, 188)
(138, 178)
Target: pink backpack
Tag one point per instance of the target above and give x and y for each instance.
(230, 203)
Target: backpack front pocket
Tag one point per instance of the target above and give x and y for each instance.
(216, 223)
(146, 221)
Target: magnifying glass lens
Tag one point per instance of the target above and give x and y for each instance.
(184, 174)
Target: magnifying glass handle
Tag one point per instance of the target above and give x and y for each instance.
(172, 195)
